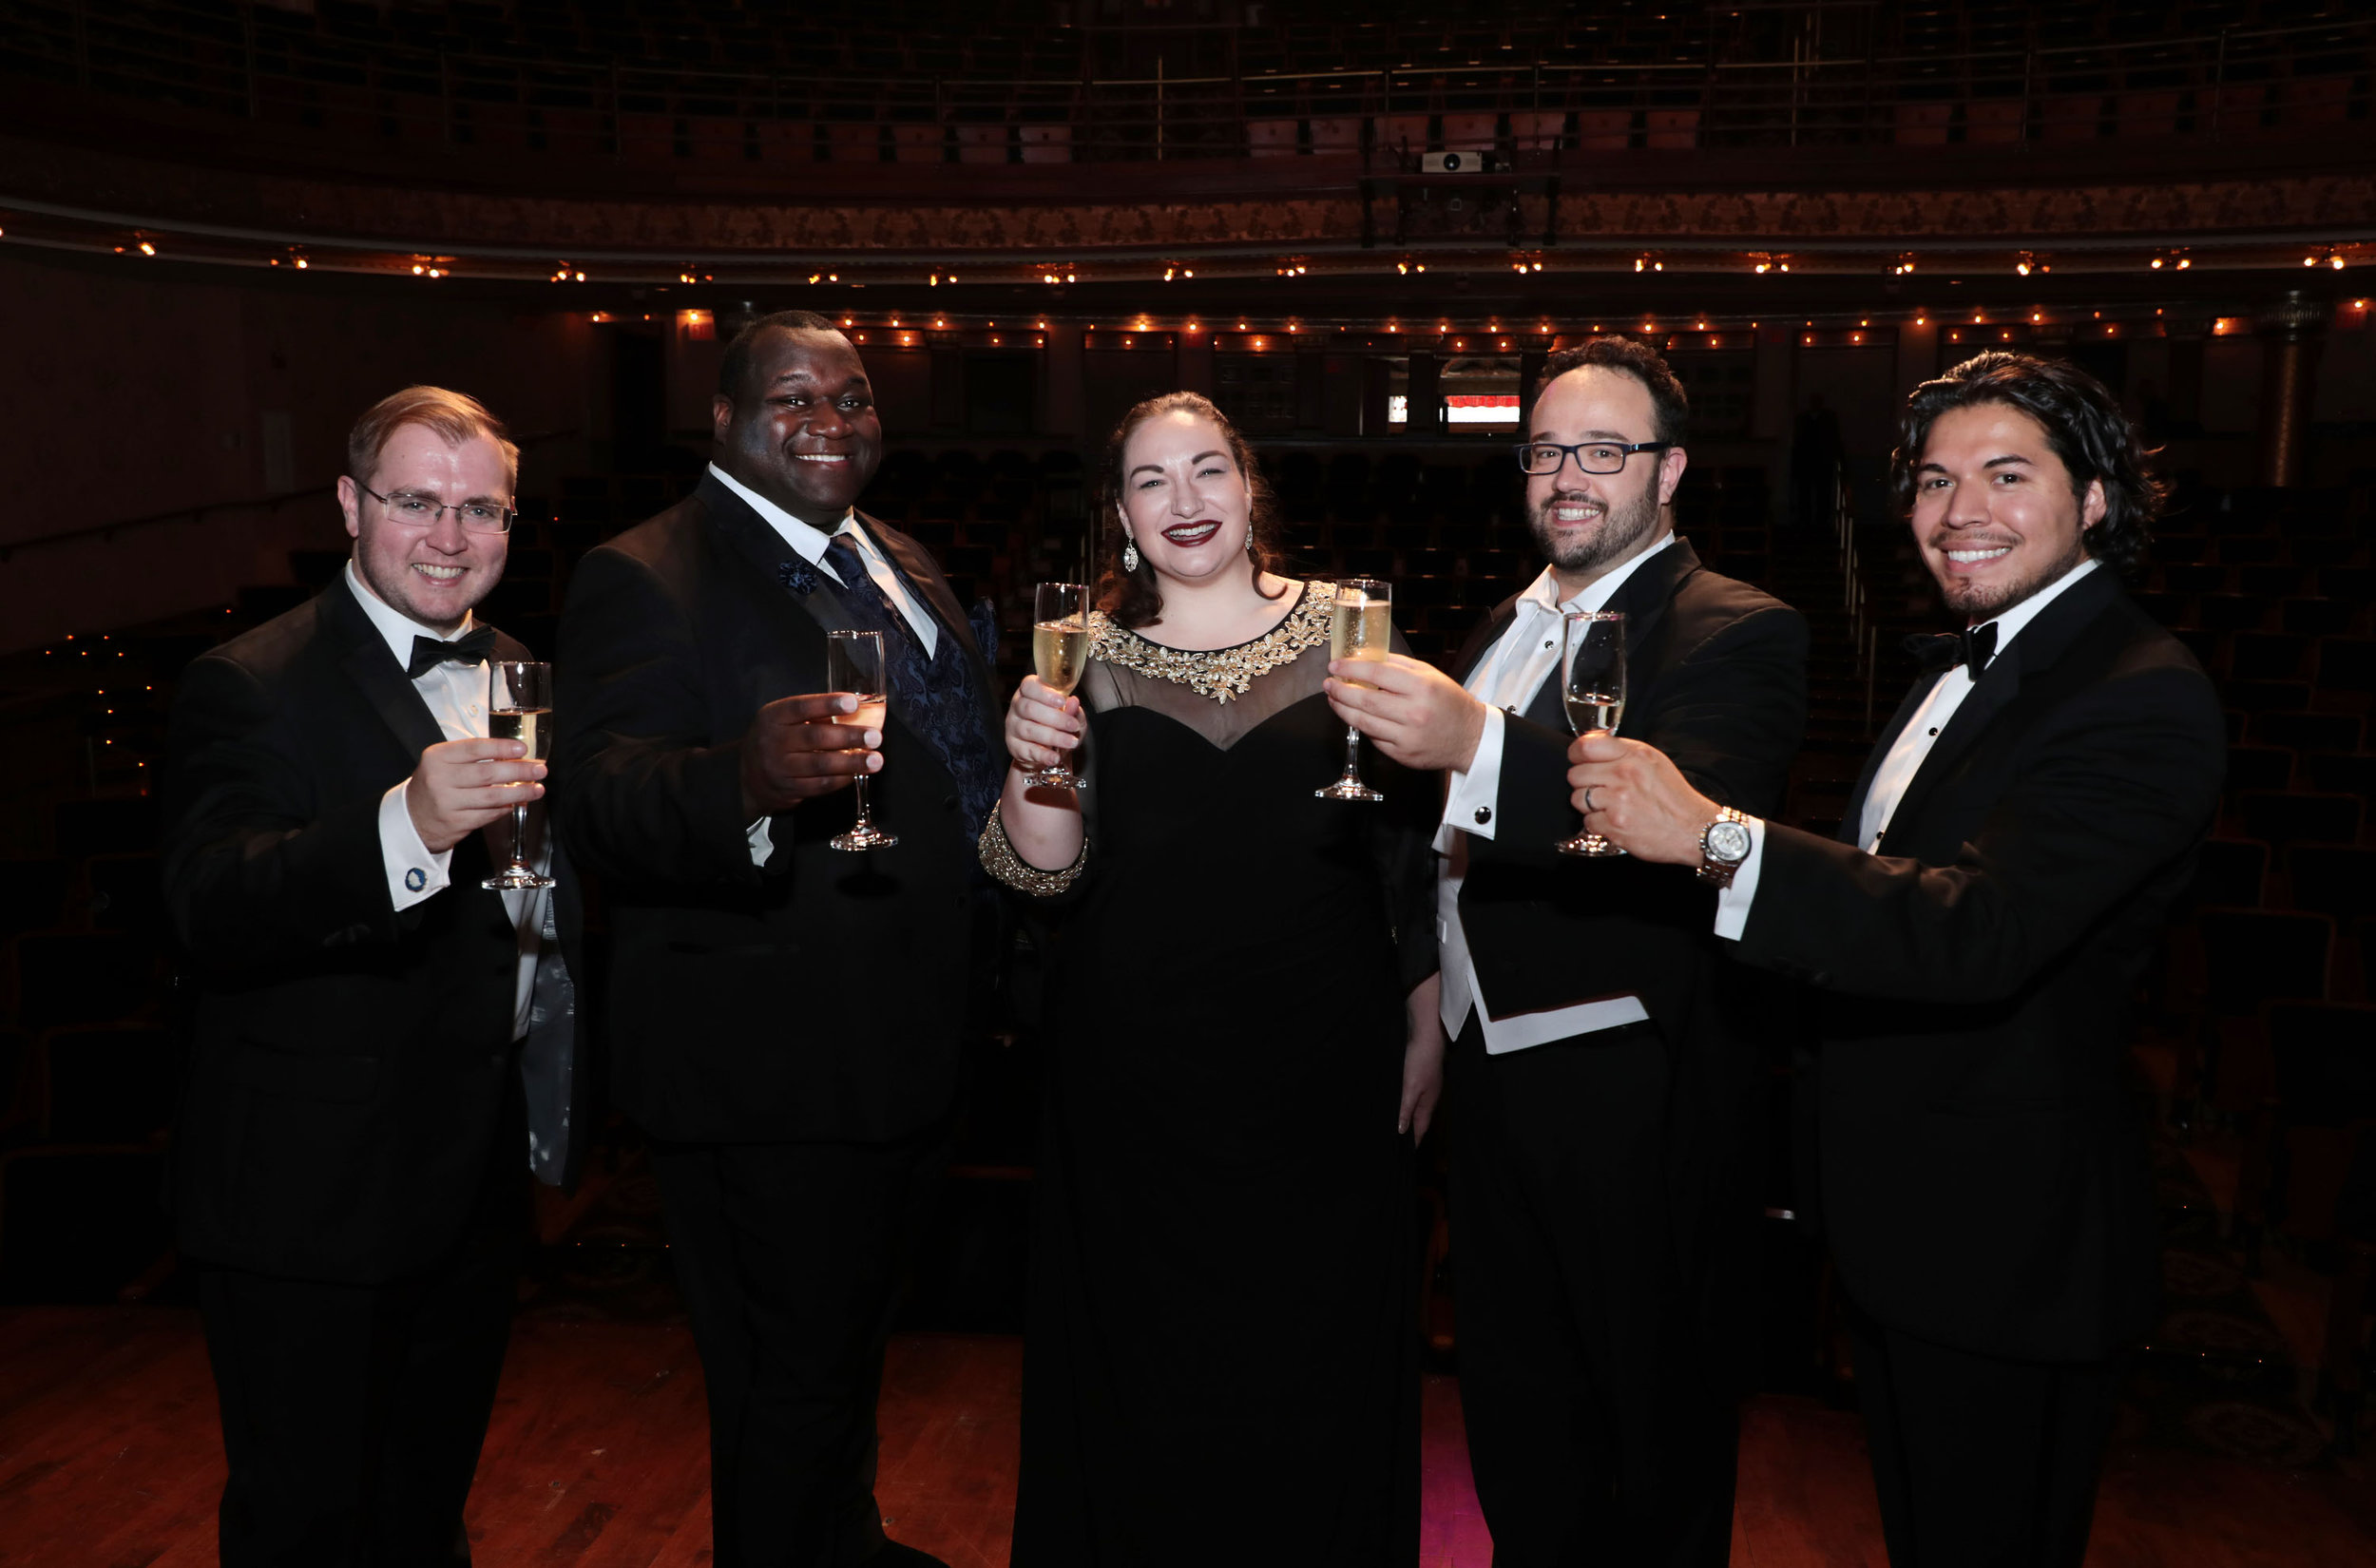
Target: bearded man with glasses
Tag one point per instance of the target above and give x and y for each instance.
(377, 1040)
(1604, 1065)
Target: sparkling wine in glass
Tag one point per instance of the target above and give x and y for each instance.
(1361, 623)
(1592, 686)
(854, 664)
(520, 707)
(1060, 654)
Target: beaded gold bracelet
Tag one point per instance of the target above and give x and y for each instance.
(999, 860)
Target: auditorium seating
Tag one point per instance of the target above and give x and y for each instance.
(673, 82)
(2271, 588)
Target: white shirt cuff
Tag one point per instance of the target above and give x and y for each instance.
(762, 839)
(1732, 903)
(413, 872)
(1469, 797)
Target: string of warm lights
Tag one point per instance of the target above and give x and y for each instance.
(1494, 333)
(1545, 262)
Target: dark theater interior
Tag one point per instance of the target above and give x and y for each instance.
(1364, 232)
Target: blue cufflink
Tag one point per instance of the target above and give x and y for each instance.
(415, 879)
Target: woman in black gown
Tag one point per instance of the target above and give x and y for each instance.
(1220, 1359)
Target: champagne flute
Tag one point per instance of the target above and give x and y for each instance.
(1592, 685)
(1360, 626)
(1060, 654)
(854, 663)
(520, 707)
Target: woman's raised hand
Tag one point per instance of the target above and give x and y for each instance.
(1042, 728)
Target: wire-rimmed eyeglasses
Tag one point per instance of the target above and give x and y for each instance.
(418, 510)
(1541, 457)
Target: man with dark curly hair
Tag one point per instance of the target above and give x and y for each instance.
(1998, 887)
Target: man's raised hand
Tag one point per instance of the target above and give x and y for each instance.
(460, 786)
(1413, 712)
(796, 749)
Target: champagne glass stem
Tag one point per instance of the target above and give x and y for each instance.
(520, 838)
(1353, 751)
(865, 819)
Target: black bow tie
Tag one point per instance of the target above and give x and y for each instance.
(473, 648)
(1973, 648)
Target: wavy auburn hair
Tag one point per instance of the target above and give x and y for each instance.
(1134, 599)
(2084, 426)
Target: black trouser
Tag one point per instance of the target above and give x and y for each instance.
(353, 1414)
(1600, 1428)
(789, 1257)
(1979, 1460)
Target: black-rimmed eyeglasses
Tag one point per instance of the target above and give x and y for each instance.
(1541, 457)
(411, 507)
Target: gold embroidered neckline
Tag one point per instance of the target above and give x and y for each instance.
(1219, 673)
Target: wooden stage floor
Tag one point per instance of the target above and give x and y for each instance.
(109, 1457)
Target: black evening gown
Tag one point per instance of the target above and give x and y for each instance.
(1221, 1348)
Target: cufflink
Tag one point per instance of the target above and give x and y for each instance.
(415, 879)
(1485, 814)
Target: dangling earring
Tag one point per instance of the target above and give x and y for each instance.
(1130, 554)
(1254, 551)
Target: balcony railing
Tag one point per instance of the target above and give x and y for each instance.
(247, 65)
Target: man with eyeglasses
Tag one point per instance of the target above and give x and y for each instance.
(376, 1039)
(1604, 1062)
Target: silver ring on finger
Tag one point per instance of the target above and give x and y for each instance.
(1589, 806)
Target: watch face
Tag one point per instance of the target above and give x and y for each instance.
(1728, 841)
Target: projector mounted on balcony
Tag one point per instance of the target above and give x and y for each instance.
(1456, 163)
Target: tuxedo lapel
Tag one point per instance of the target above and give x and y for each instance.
(2036, 649)
(1852, 817)
(372, 667)
(914, 569)
(1643, 599)
(762, 552)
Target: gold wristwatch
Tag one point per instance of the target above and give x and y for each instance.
(1723, 845)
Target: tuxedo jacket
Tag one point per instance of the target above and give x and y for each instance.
(1984, 1180)
(349, 1062)
(820, 997)
(1717, 678)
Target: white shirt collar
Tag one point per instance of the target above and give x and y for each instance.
(2009, 624)
(398, 628)
(804, 537)
(1541, 593)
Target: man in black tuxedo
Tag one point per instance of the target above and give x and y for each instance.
(376, 1038)
(1603, 1065)
(1998, 888)
(786, 1017)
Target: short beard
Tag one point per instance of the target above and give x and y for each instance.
(1623, 532)
(1980, 605)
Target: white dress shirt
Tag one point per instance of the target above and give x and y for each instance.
(809, 544)
(1506, 678)
(1906, 755)
(456, 695)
